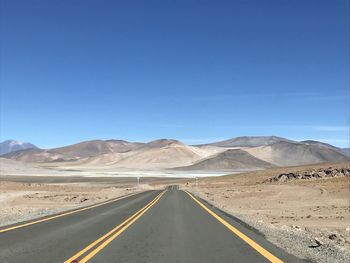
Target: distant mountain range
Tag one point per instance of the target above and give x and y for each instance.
(241, 153)
(12, 146)
(249, 141)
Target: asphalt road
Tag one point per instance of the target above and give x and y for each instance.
(154, 226)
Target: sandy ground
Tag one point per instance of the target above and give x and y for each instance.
(318, 208)
(21, 201)
(309, 218)
(27, 197)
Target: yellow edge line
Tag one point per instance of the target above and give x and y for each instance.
(64, 214)
(140, 212)
(248, 240)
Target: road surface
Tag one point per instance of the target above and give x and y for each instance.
(153, 226)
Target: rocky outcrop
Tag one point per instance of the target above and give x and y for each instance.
(313, 174)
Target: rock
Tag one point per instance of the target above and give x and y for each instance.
(328, 171)
(322, 174)
(318, 242)
(312, 174)
(332, 236)
(283, 178)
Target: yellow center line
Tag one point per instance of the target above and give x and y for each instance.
(123, 226)
(248, 240)
(64, 214)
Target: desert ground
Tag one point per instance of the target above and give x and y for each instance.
(26, 197)
(307, 217)
(21, 201)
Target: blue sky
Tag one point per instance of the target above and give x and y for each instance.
(197, 71)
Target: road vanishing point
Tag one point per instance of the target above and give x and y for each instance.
(153, 226)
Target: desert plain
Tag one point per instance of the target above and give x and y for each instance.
(304, 208)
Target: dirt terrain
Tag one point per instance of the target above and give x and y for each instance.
(309, 217)
(21, 201)
(304, 209)
(27, 197)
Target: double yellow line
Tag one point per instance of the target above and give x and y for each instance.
(96, 246)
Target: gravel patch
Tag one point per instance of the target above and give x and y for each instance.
(26, 214)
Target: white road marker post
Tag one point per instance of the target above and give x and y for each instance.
(138, 182)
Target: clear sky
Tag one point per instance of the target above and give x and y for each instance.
(197, 71)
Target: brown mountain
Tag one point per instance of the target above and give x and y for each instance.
(295, 153)
(74, 151)
(234, 159)
(249, 141)
(96, 147)
(162, 153)
(36, 156)
(247, 153)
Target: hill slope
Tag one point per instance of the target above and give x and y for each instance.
(74, 152)
(346, 151)
(293, 153)
(36, 156)
(95, 148)
(250, 141)
(161, 154)
(230, 160)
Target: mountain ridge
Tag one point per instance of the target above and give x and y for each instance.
(252, 152)
(14, 145)
(248, 141)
